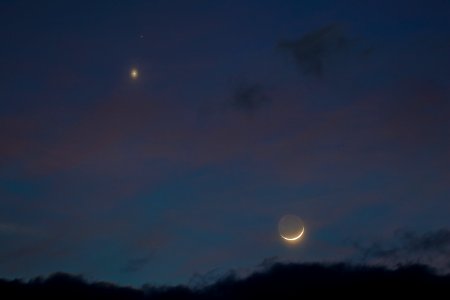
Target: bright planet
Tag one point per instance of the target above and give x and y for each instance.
(291, 228)
(134, 73)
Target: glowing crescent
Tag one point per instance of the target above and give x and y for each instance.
(294, 238)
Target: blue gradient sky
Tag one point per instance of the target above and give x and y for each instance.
(243, 111)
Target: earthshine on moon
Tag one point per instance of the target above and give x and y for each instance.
(291, 228)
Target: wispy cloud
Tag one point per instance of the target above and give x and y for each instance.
(431, 248)
(135, 264)
(249, 97)
(315, 50)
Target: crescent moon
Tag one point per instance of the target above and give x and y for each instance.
(294, 238)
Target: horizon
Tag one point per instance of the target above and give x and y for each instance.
(265, 268)
(273, 281)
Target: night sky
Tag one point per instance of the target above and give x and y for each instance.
(241, 112)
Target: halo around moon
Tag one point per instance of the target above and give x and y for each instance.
(291, 228)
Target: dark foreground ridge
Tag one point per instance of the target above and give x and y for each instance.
(280, 281)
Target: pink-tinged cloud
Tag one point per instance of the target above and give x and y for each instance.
(388, 129)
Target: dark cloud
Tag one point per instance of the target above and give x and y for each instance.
(280, 281)
(314, 50)
(431, 248)
(249, 97)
